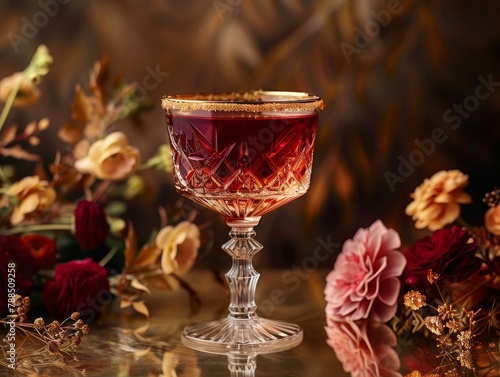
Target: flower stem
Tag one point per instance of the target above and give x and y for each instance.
(37, 68)
(39, 228)
(108, 256)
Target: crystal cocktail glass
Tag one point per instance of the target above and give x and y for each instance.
(242, 155)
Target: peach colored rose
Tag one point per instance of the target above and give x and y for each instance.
(33, 196)
(179, 247)
(28, 93)
(365, 349)
(364, 282)
(436, 202)
(110, 158)
(492, 220)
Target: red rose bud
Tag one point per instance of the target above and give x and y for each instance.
(449, 253)
(91, 225)
(78, 285)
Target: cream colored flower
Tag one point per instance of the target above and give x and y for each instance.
(28, 92)
(110, 158)
(436, 202)
(33, 195)
(179, 247)
(492, 220)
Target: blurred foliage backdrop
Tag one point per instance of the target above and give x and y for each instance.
(389, 72)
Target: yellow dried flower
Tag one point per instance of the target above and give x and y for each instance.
(39, 323)
(492, 220)
(415, 373)
(85, 329)
(111, 158)
(446, 312)
(54, 327)
(22, 310)
(436, 202)
(33, 196)
(466, 359)
(414, 300)
(453, 325)
(75, 316)
(434, 324)
(432, 276)
(18, 300)
(79, 324)
(465, 339)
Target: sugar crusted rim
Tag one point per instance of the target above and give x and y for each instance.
(249, 101)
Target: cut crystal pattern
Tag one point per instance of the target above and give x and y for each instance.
(242, 173)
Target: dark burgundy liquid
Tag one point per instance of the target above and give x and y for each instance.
(243, 165)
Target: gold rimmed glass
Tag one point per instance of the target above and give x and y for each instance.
(242, 155)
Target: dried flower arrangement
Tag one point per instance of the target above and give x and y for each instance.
(68, 208)
(447, 286)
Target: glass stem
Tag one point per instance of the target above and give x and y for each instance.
(242, 277)
(242, 365)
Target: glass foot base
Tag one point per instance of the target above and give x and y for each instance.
(256, 335)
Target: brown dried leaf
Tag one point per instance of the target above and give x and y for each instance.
(8, 135)
(43, 124)
(34, 141)
(31, 128)
(70, 133)
(147, 255)
(19, 153)
(125, 303)
(82, 107)
(130, 246)
(138, 285)
(99, 75)
(141, 307)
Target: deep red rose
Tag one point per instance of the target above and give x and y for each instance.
(79, 285)
(449, 253)
(30, 252)
(91, 225)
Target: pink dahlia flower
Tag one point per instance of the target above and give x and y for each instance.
(364, 282)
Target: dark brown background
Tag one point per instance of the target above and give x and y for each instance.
(426, 58)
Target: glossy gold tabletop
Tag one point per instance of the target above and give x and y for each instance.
(124, 343)
(120, 345)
